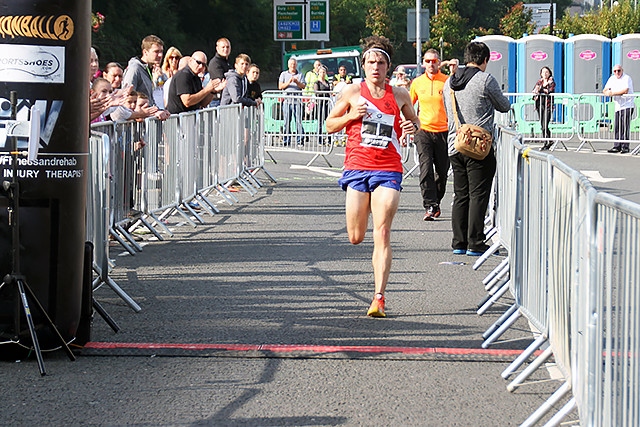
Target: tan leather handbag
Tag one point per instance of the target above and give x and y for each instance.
(471, 140)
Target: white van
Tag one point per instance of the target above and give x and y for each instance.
(331, 58)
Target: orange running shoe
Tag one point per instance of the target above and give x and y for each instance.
(377, 307)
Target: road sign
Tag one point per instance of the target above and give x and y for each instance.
(298, 20)
(411, 25)
(318, 19)
(289, 20)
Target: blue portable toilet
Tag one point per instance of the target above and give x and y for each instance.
(625, 50)
(587, 63)
(502, 62)
(535, 52)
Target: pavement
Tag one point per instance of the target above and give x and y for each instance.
(258, 318)
(613, 173)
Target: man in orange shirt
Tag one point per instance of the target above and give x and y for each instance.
(431, 139)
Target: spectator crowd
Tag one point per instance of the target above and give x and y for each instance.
(158, 84)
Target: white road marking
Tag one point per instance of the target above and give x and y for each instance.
(594, 176)
(319, 170)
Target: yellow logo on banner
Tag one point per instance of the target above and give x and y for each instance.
(37, 27)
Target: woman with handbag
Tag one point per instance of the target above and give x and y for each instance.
(475, 95)
(544, 103)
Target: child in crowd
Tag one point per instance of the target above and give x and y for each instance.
(132, 100)
(101, 90)
(254, 91)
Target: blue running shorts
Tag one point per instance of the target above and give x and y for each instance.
(367, 181)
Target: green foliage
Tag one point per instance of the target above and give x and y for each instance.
(196, 25)
(451, 27)
(622, 19)
(127, 23)
(378, 20)
(517, 22)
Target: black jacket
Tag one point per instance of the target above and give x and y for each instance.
(218, 66)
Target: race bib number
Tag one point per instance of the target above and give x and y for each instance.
(377, 129)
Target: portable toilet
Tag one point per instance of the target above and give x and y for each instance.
(625, 50)
(587, 63)
(502, 62)
(535, 52)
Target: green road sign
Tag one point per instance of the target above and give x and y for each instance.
(318, 17)
(289, 20)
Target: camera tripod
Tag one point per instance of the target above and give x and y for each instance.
(12, 190)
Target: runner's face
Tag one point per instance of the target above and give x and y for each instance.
(376, 67)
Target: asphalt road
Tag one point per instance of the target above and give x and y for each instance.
(258, 318)
(612, 173)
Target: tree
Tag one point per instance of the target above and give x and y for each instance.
(378, 20)
(517, 22)
(127, 23)
(622, 19)
(451, 27)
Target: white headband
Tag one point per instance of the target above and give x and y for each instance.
(375, 49)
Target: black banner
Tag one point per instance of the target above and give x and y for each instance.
(44, 58)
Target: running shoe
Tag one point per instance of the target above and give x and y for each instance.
(432, 213)
(377, 307)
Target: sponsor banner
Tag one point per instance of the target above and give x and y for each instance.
(31, 64)
(45, 27)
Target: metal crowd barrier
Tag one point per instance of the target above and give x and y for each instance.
(581, 119)
(98, 217)
(527, 118)
(296, 122)
(596, 120)
(573, 256)
(144, 172)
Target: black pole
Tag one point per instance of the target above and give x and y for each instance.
(551, 18)
(14, 210)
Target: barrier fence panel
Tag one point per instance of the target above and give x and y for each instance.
(98, 202)
(296, 122)
(532, 258)
(599, 122)
(574, 257)
(254, 157)
(187, 157)
(161, 166)
(614, 325)
(583, 204)
(560, 252)
(99, 215)
(229, 131)
(507, 153)
(208, 123)
(528, 121)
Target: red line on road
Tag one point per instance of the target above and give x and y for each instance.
(295, 348)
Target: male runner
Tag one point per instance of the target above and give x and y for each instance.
(370, 111)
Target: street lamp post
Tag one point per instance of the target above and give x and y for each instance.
(418, 40)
